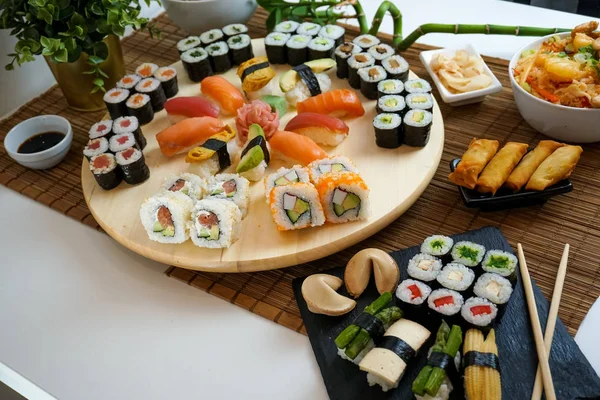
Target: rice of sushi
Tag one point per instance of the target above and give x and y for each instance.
(381, 52)
(390, 86)
(417, 86)
(301, 92)
(424, 267)
(500, 262)
(95, 147)
(189, 184)
(445, 309)
(358, 63)
(480, 319)
(188, 43)
(228, 223)
(342, 353)
(437, 245)
(121, 142)
(456, 276)
(330, 165)
(241, 194)
(320, 47)
(388, 130)
(419, 101)
(129, 81)
(287, 27)
(468, 253)
(493, 287)
(408, 296)
(309, 28)
(443, 392)
(178, 206)
(234, 29)
(285, 176)
(334, 32)
(396, 67)
(366, 41)
(101, 129)
(276, 38)
(211, 36)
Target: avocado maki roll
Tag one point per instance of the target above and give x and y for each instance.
(140, 106)
(391, 104)
(296, 206)
(196, 64)
(231, 187)
(468, 253)
(333, 32)
(287, 27)
(356, 62)
(104, 168)
(241, 48)
(190, 42)
(218, 54)
(396, 67)
(152, 88)
(297, 49)
(342, 53)
(320, 47)
(500, 262)
(133, 166)
(380, 52)
(416, 127)
(130, 125)
(417, 86)
(420, 101)
(234, 29)
(275, 47)
(388, 130)
(164, 217)
(366, 41)
(116, 102)
(167, 76)
(215, 224)
(309, 28)
(389, 86)
(211, 36)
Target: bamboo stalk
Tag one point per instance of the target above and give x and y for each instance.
(396, 16)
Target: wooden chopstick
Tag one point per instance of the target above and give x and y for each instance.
(551, 323)
(537, 329)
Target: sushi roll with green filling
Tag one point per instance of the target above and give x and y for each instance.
(140, 106)
(104, 168)
(231, 187)
(167, 76)
(393, 104)
(388, 130)
(420, 101)
(121, 142)
(102, 129)
(130, 125)
(190, 42)
(416, 127)
(366, 41)
(390, 86)
(297, 49)
(468, 253)
(285, 176)
(355, 63)
(287, 27)
(437, 245)
(255, 155)
(191, 185)
(234, 29)
(152, 88)
(396, 67)
(165, 215)
(445, 302)
(215, 224)
(424, 267)
(275, 47)
(320, 47)
(116, 102)
(380, 52)
(417, 86)
(412, 292)
(95, 147)
(309, 28)
(196, 64)
(342, 53)
(479, 312)
(345, 197)
(133, 166)
(330, 165)
(500, 262)
(296, 206)
(211, 36)
(333, 32)
(456, 276)
(369, 78)
(218, 54)
(493, 287)
(241, 48)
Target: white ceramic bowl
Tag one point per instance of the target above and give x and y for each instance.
(568, 124)
(197, 16)
(31, 127)
(459, 99)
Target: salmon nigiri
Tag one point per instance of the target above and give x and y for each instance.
(297, 147)
(188, 133)
(223, 92)
(321, 128)
(340, 102)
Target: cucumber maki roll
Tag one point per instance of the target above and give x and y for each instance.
(215, 224)
(389, 86)
(342, 53)
(275, 47)
(152, 88)
(369, 78)
(493, 287)
(468, 253)
(396, 67)
(297, 49)
(218, 54)
(417, 126)
(380, 52)
(190, 42)
(133, 166)
(366, 41)
(456, 276)
(356, 62)
(479, 312)
(102, 129)
(211, 36)
(116, 102)
(309, 28)
(437, 245)
(231, 187)
(287, 27)
(500, 262)
(167, 76)
(95, 147)
(445, 302)
(241, 48)
(417, 86)
(164, 217)
(333, 32)
(140, 106)
(130, 125)
(320, 47)
(128, 82)
(196, 64)
(420, 101)
(388, 130)
(104, 168)
(412, 292)
(234, 29)
(391, 104)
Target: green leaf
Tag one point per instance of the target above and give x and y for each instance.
(97, 9)
(90, 72)
(61, 56)
(75, 54)
(102, 73)
(95, 89)
(100, 50)
(62, 4)
(70, 44)
(118, 30)
(9, 67)
(45, 41)
(44, 15)
(47, 51)
(99, 82)
(103, 27)
(31, 33)
(112, 18)
(95, 60)
(66, 12)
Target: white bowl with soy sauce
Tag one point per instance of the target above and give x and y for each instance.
(39, 142)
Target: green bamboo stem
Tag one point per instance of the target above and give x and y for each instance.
(396, 15)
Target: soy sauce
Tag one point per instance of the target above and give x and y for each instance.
(40, 142)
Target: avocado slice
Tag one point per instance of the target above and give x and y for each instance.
(255, 155)
(337, 167)
(169, 231)
(157, 227)
(418, 116)
(210, 234)
(338, 209)
(289, 79)
(281, 181)
(293, 216)
(391, 102)
(351, 201)
(301, 206)
(389, 86)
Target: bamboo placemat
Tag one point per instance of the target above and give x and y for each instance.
(573, 218)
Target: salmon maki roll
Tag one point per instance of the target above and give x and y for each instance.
(339, 102)
(188, 133)
(223, 92)
(321, 128)
(345, 197)
(297, 149)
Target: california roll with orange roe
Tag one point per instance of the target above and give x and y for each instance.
(345, 197)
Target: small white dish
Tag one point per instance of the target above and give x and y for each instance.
(34, 126)
(459, 99)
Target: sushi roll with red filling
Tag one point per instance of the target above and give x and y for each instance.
(165, 217)
(133, 166)
(130, 125)
(167, 77)
(146, 70)
(104, 168)
(128, 82)
(116, 102)
(153, 88)
(102, 129)
(121, 142)
(215, 224)
(140, 106)
(413, 293)
(95, 147)
(479, 312)
(445, 302)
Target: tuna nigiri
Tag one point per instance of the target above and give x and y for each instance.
(340, 102)
(188, 133)
(223, 92)
(179, 108)
(321, 128)
(296, 147)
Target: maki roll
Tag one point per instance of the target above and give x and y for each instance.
(214, 155)
(215, 224)
(95, 147)
(115, 100)
(285, 176)
(104, 168)
(275, 47)
(355, 63)
(456, 276)
(189, 184)
(218, 54)
(389, 86)
(255, 156)
(445, 302)
(167, 76)
(190, 42)
(416, 126)
(102, 129)
(121, 142)
(345, 197)
(211, 36)
(494, 288)
(417, 86)
(196, 64)
(234, 29)
(128, 82)
(479, 312)
(366, 41)
(437, 245)
(231, 187)
(130, 125)
(412, 292)
(333, 32)
(296, 206)
(380, 52)
(424, 267)
(330, 165)
(241, 48)
(140, 106)
(420, 101)
(468, 253)
(133, 166)
(393, 104)
(320, 47)
(342, 53)
(501, 263)
(152, 88)
(388, 130)
(287, 27)
(396, 67)
(309, 28)
(297, 49)
(164, 217)
(146, 70)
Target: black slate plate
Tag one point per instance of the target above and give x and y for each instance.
(504, 198)
(572, 374)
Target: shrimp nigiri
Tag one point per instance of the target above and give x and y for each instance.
(188, 133)
(223, 92)
(297, 147)
(340, 102)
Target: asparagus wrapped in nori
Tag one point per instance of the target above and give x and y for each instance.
(369, 325)
(441, 359)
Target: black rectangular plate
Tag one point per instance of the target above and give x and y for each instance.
(505, 198)
(573, 376)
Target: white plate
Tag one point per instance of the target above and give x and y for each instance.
(453, 99)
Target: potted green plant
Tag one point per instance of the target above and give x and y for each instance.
(78, 38)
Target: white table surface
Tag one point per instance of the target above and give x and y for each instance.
(83, 318)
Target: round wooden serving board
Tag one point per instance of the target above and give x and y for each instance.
(396, 178)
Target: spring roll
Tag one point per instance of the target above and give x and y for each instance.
(498, 170)
(521, 174)
(555, 168)
(479, 153)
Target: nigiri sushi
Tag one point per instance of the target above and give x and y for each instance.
(255, 156)
(179, 108)
(223, 92)
(188, 133)
(321, 128)
(339, 102)
(296, 147)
